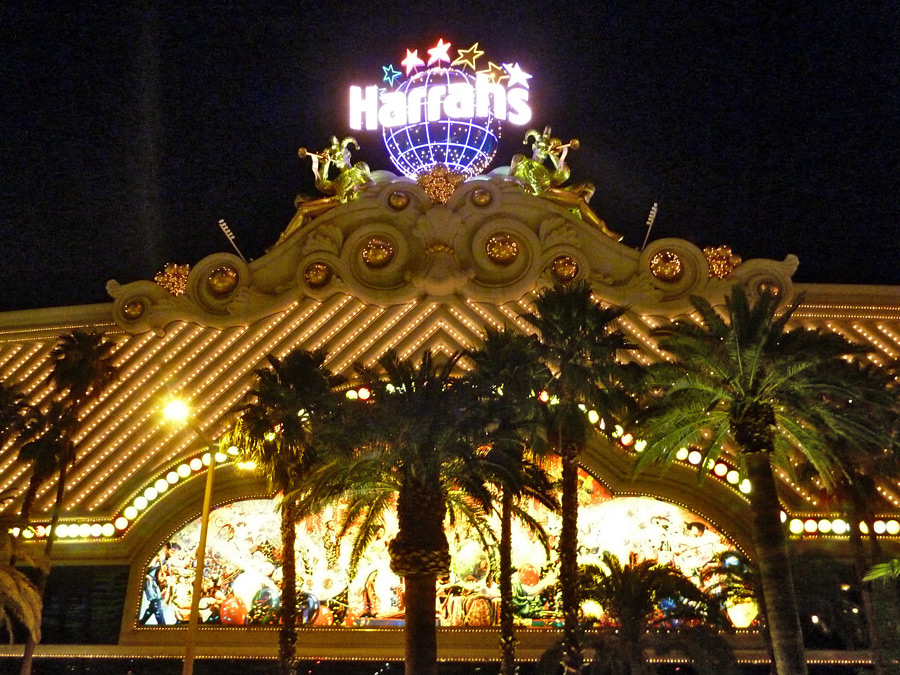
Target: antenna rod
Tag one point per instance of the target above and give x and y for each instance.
(650, 219)
(229, 235)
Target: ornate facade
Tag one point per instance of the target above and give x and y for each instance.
(396, 269)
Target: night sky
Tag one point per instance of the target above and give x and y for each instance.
(128, 132)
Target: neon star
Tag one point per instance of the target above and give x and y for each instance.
(468, 56)
(390, 74)
(412, 61)
(495, 72)
(516, 75)
(438, 53)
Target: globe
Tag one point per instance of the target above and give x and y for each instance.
(464, 146)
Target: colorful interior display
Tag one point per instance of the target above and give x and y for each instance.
(242, 579)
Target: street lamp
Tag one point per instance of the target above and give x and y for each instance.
(177, 410)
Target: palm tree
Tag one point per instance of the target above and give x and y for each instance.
(19, 598)
(855, 495)
(411, 439)
(854, 492)
(508, 376)
(580, 343)
(14, 409)
(745, 382)
(18, 420)
(643, 595)
(885, 590)
(279, 431)
(82, 370)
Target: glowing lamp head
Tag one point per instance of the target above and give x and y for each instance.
(742, 613)
(176, 410)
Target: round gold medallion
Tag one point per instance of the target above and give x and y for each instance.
(482, 197)
(501, 248)
(666, 266)
(377, 252)
(317, 274)
(398, 200)
(565, 268)
(134, 310)
(222, 281)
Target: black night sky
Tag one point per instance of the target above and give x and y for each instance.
(127, 132)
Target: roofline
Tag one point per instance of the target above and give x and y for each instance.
(53, 321)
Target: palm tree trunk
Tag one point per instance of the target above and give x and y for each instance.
(568, 561)
(41, 581)
(767, 634)
(636, 665)
(860, 567)
(875, 545)
(420, 553)
(419, 599)
(28, 502)
(507, 631)
(774, 567)
(287, 634)
(25, 513)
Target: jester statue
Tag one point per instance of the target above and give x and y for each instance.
(538, 179)
(344, 187)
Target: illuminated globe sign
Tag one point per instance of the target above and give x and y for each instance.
(441, 114)
(458, 139)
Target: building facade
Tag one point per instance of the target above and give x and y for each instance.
(401, 267)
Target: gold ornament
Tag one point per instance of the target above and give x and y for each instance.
(440, 183)
(502, 249)
(377, 252)
(438, 248)
(222, 280)
(721, 261)
(398, 200)
(317, 274)
(482, 197)
(565, 268)
(173, 278)
(666, 266)
(134, 310)
(769, 287)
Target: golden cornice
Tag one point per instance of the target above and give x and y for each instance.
(437, 252)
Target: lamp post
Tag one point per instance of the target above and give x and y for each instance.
(177, 410)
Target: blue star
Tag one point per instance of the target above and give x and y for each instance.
(390, 74)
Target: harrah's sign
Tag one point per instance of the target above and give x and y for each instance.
(456, 100)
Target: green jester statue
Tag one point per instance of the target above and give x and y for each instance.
(534, 176)
(346, 186)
